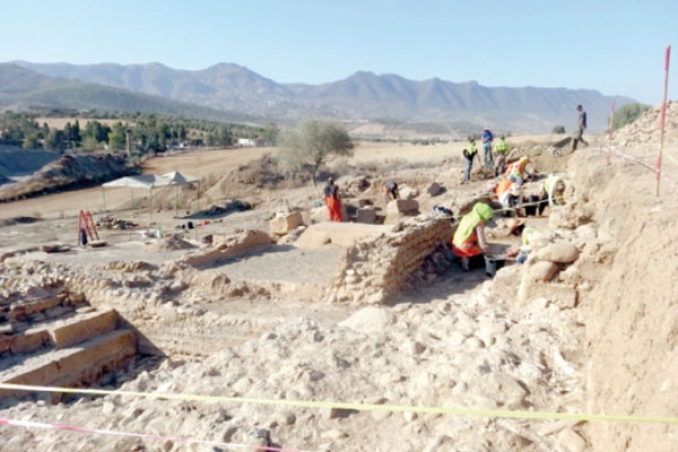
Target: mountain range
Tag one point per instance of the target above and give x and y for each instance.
(364, 96)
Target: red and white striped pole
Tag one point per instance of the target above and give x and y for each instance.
(609, 132)
(663, 116)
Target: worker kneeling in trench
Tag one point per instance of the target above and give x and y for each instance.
(468, 242)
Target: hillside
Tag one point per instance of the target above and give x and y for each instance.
(362, 96)
(21, 89)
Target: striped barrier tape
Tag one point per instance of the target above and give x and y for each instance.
(504, 414)
(147, 436)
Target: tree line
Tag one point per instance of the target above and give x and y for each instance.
(147, 132)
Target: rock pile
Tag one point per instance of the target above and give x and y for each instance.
(647, 129)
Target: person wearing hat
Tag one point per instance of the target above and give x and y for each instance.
(332, 200)
(551, 193)
(487, 148)
(501, 150)
(581, 126)
(469, 154)
(518, 171)
(468, 241)
(526, 233)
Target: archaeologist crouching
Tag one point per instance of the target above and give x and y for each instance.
(518, 173)
(552, 193)
(526, 233)
(468, 241)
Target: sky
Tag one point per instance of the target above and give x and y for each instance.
(615, 47)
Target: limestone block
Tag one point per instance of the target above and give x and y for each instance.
(282, 224)
(571, 441)
(543, 271)
(366, 215)
(83, 328)
(407, 193)
(560, 252)
(405, 205)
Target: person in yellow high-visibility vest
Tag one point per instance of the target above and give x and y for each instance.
(518, 171)
(552, 193)
(468, 240)
(501, 150)
(526, 234)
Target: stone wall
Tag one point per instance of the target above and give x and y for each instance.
(375, 269)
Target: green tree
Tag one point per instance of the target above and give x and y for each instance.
(116, 137)
(627, 114)
(558, 130)
(90, 143)
(55, 140)
(313, 145)
(271, 133)
(30, 141)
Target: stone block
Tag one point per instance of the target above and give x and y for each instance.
(83, 328)
(562, 253)
(282, 224)
(543, 271)
(366, 215)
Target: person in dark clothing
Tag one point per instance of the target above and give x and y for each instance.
(390, 191)
(581, 126)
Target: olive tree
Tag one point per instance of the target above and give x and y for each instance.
(314, 144)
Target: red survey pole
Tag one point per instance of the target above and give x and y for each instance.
(609, 132)
(663, 116)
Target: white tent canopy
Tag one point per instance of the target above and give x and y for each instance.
(149, 182)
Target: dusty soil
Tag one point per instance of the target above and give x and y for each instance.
(598, 338)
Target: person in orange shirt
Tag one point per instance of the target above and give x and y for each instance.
(332, 200)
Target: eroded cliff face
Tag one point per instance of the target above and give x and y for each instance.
(631, 313)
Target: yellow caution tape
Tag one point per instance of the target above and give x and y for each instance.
(506, 414)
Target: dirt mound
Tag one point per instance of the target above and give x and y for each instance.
(71, 172)
(174, 242)
(647, 128)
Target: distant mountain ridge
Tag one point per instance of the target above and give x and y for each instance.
(362, 96)
(21, 88)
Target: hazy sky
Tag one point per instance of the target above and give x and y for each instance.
(616, 47)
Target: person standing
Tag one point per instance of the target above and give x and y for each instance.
(501, 150)
(332, 200)
(487, 148)
(581, 126)
(470, 153)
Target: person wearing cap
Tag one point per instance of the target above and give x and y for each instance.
(332, 200)
(518, 171)
(468, 240)
(501, 150)
(487, 148)
(518, 228)
(469, 154)
(551, 193)
(390, 191)
(581, 126)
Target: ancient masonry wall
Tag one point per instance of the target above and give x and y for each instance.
(374, 270)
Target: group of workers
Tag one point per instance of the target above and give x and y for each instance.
(469, 242)
(494, 155)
